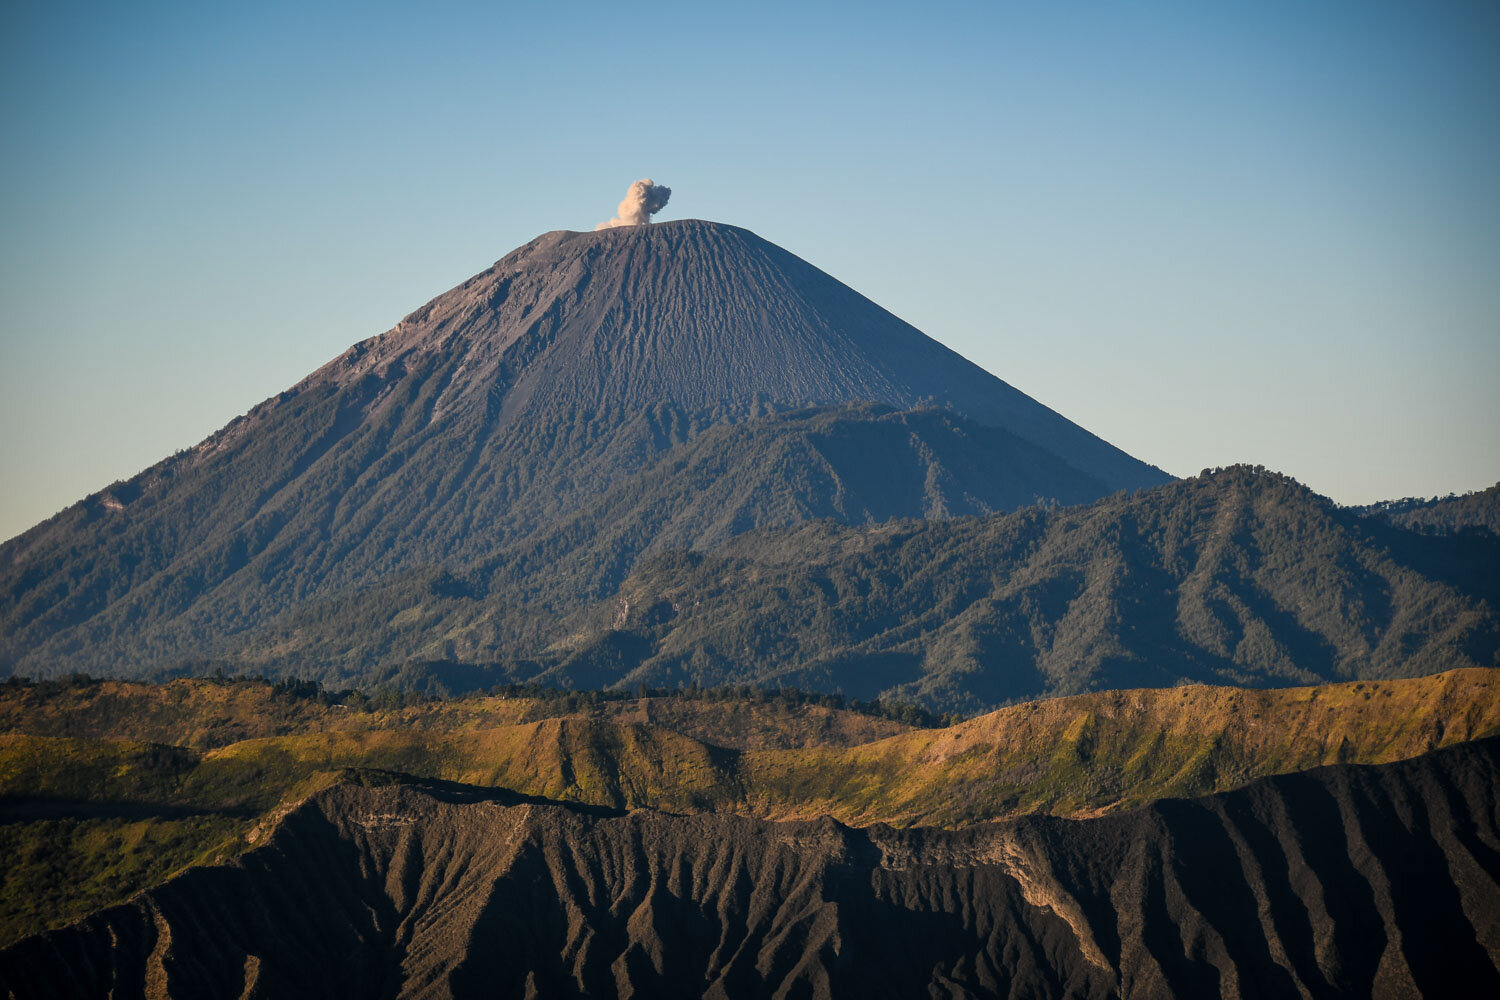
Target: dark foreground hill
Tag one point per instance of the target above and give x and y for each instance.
(108, 789)
(1344, 881)
(506, 406)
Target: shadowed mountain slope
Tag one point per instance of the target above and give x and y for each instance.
(509, 404)
(1443, 515)
(1241, 577)
(1345, 881)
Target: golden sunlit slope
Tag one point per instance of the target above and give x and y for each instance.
(124, 813)
(1112, 750)
(205, 714)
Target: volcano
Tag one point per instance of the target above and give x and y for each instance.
(699, 316)
(570, 371)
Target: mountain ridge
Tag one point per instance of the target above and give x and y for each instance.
(499, 408)
(1476, 511)
(729, 274)
(108, 788)
(437, 891)
(1243, 576)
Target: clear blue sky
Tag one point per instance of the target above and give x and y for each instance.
(1262, 232)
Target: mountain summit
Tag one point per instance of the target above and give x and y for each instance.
(644, 368)
(698, 315)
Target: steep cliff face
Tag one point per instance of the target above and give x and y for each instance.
(1345, 881)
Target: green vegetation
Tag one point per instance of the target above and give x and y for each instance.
(725, 560)
(205, 714)
(1474, 513)
(1118, 749)
(60, 870)
(114, 814)
(170, 575)
(1236, 577)
(1239, 577)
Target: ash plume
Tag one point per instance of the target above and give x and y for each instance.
(644, 199)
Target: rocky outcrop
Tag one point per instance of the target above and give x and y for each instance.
(1345, 881)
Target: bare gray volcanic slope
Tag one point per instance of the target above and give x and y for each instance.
(1345, 881)
(698, 315)
(496, 411)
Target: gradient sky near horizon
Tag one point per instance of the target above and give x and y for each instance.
(1210, 233)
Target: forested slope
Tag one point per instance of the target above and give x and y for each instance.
(513, 402)
(1241, 577)
(1479, 511)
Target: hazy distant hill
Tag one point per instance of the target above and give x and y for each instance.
(1443, 515)
(525, 396)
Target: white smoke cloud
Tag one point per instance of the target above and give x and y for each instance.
(644, 199)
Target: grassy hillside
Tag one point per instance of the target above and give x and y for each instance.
(206, 714)
(93, 820)
(1114, 750)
